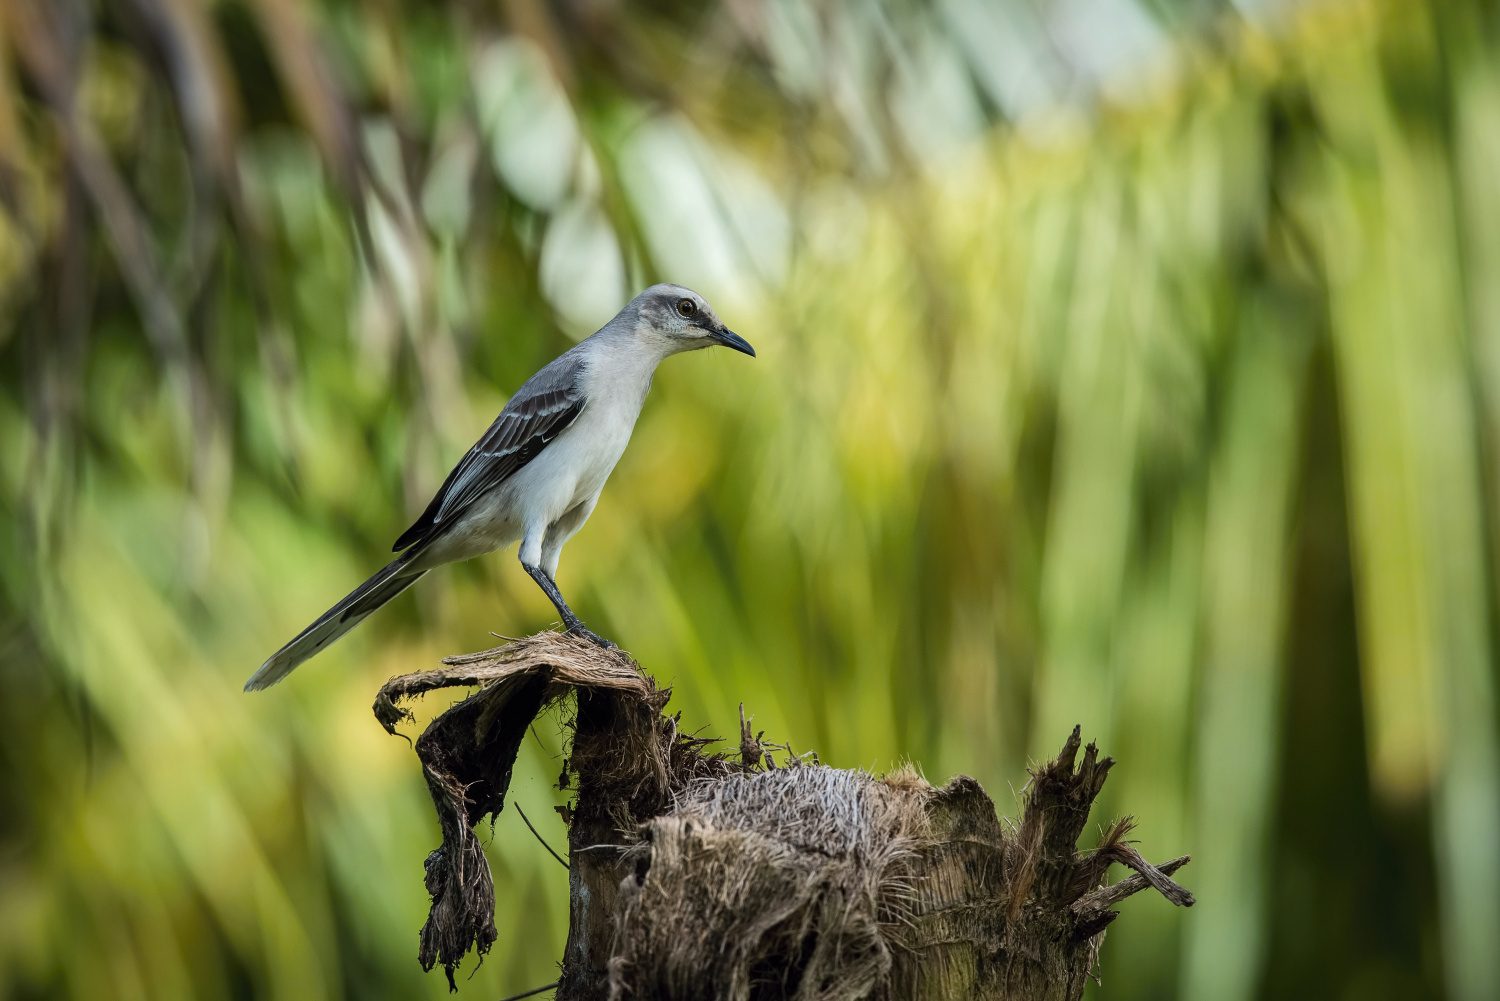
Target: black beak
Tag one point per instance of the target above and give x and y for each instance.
(730, 339)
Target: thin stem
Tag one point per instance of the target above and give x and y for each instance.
(561, 861)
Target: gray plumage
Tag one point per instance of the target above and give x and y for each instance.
(536, 474)
(538, 412)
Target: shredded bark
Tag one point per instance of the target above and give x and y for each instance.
(703, 872)
(467, 755)
(783, 883)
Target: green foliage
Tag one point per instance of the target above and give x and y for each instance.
(1171, 411)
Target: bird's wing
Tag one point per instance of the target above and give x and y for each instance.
(538, 413)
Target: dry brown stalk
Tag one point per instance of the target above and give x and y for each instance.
(719, 874)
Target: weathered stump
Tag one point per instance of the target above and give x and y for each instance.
(727, 875)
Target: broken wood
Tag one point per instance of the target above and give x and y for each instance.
(703, 873)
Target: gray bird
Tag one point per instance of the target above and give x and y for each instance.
(536, 474)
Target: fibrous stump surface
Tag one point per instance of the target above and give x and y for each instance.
(697, 873)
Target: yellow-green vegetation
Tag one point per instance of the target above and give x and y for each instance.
(1172, 410)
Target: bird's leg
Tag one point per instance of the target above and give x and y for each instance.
(571, 621)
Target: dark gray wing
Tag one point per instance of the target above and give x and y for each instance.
(540, 411)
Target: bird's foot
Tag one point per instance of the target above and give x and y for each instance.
(583, 633)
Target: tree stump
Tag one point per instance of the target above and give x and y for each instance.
(714, 874)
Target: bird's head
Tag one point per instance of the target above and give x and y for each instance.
(675, 319)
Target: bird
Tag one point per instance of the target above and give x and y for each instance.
(536, 474)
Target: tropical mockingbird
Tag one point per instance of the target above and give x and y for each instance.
(537, 472)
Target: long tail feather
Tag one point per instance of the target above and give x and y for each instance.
(390, 581)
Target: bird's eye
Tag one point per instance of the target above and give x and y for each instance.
(686, 307)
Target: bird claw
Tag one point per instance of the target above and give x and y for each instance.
(591, 636)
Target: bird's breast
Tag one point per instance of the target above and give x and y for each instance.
(595, 442)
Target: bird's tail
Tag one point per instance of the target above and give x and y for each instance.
(338, 620)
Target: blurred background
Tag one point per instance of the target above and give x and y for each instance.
(1133, 363)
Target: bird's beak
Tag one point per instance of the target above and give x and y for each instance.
(730, 339)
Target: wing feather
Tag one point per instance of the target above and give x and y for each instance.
(538, 412)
